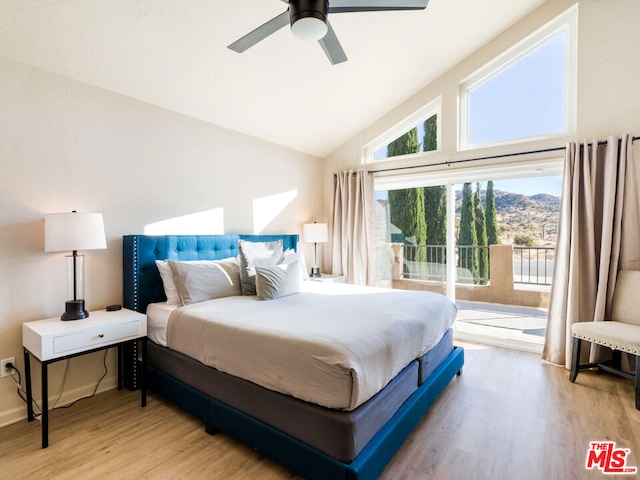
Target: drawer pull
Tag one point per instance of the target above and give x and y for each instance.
(101, 335)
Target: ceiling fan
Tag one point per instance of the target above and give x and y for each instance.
(308, 19)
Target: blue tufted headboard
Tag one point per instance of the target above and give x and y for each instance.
(142, 284)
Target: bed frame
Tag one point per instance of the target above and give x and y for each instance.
(142, 285)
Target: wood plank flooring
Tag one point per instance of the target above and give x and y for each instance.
(508, 416)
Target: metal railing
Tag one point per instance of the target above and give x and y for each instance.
(533, 265)
(469, 270)
(428, 262)
(425, 262)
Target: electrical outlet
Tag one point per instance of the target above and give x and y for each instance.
(4, 371)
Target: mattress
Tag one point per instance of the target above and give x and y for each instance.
(157, 319)
(340, 434)
(335, 345)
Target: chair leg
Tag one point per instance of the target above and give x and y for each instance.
(637, 382)
(616, 359)
(575, 359)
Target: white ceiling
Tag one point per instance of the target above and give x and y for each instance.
(173, 54)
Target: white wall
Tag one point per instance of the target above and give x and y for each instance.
(608, 91)
(65, 146)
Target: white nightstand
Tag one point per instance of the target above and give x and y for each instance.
(327, 277)
(52, 340)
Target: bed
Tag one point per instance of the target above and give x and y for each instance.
(349, 431)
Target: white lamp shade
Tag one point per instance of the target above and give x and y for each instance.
(315, 233)
(64, 232)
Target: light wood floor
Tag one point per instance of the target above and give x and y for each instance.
(509, 416)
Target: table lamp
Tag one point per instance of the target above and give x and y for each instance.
(74, 231)
(315, 233)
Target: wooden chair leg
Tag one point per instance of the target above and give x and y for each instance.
(575, 359)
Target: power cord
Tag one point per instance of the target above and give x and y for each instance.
(104, 364)
(17, 383)
(38, 411)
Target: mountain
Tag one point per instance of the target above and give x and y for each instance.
(533, 216)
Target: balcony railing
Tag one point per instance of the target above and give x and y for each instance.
(428, 262)
(425, 262)
(533, 265)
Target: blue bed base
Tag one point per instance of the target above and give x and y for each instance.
(141, 287)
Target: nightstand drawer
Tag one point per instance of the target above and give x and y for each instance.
(89, 338)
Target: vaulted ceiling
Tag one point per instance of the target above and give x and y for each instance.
(174, 54)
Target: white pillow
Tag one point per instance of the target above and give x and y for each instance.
(256, 254)
(170, 290)
(291, 256)
(202, 280)
(277, 281)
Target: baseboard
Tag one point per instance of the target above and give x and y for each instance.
(18, 414)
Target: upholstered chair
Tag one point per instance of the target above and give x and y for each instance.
(621, 333)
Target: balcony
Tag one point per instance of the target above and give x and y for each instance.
(518, 276)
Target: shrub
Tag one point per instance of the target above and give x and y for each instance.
(523, 240)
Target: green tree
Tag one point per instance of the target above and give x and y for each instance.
(405, 144)
(406, 211)
(406, 206)
(481, 236)
(430, 141)
(468, 257)
(435, 202)
(491, 218)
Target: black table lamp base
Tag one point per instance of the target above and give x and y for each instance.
(74, 310)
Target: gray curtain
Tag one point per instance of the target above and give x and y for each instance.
(598, 235)
(351, 227)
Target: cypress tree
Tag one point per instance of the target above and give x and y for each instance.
(491, 217)
(435, 201)
(405, 144)
(481, 235)
(406, 211)
(468, 257)
(406, 206)
(430, 141)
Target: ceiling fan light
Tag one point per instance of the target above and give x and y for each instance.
(309, 28)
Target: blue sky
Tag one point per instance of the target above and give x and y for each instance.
(531, 186)
(524, 100)
(527, 99)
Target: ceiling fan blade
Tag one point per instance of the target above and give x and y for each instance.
(260, 33)
(332, 47)
(340, 6)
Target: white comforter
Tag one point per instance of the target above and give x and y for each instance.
(332, 344)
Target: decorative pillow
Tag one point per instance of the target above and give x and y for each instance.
(170, 290)
(277, 281)
(256, 254)
(291, 256)
(198, 281)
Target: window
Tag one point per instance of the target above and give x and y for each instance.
(527, 93)
(421, 221)
(417, 134)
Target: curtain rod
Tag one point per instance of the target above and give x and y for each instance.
(355, 172)
(490, 157)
